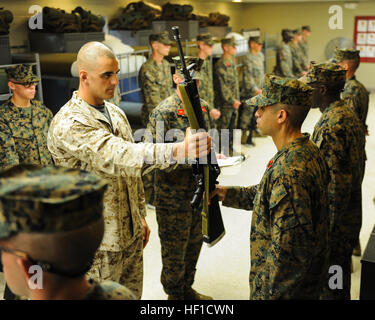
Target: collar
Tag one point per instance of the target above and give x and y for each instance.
(90, 110)
(290, 145)
(351, 78)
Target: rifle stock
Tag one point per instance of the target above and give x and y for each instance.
(206, 173)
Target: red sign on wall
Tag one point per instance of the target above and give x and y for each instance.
(364, 37)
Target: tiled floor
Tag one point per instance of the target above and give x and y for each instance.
(223, 269)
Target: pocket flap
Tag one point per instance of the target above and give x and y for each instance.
(278, 193)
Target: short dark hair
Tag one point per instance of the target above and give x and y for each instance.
(296, 114)
(307, 28)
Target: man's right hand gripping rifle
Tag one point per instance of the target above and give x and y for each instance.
(205, 172)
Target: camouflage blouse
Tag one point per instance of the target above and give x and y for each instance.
(23, 134)
(289, 228)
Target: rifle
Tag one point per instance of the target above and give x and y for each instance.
(205, 174)
(252, 126)
(231, 128)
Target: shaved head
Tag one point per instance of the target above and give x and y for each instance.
(90, 52)
(69, 251)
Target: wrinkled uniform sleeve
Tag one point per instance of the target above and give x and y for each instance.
(358, 98)
(8, 152)
(290, 257)
(100, 149)
(240, 197)
(334, 153)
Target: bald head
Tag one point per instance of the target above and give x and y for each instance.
(90, 52)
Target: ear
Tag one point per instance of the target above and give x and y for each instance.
(25, 266)
(323, 90)
(83, 75)
(282, 116)
(11, 85)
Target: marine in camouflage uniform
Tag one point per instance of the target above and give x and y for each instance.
(304, 45)
(82, 137)
(354, 91)
(155, 79)
(23, 130)
(51, 202)
(180, 228)
(299, 67)
(356, 94)
(290, 222)
(156, 85)
(284, 59)
(253, 78)
(206, 87)
(340, 138)
(226, 86)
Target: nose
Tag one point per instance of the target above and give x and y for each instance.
(114, 80)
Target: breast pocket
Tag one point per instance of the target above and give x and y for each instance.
(25, 146)
(284, 216)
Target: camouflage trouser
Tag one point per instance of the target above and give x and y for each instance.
(145, 114)
(181, 239)
(148, 185)
(224, 120)
(247, 117)
(340, 255)
(148, 179)
(124, 267)
(226, 137)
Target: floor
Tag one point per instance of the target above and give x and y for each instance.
(222, 270)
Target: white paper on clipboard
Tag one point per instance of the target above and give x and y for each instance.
(231, 161)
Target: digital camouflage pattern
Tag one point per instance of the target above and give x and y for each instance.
(180, 229)
(324, 73)
(229, 41)
(290, 222)
(21, 73)
(155, 82)
(284, 61)
(226, 90)
(23, 134)
(341, 139)
(162, 37)
(286, 91)
(206, 38)
(253, 78)
(108, 290)
(346, 54)
(81, 137)
(253, 74)
(304, 46)
(206, 86)
(48, 199)
(125, 267)
(357, 96)
(298, 60)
